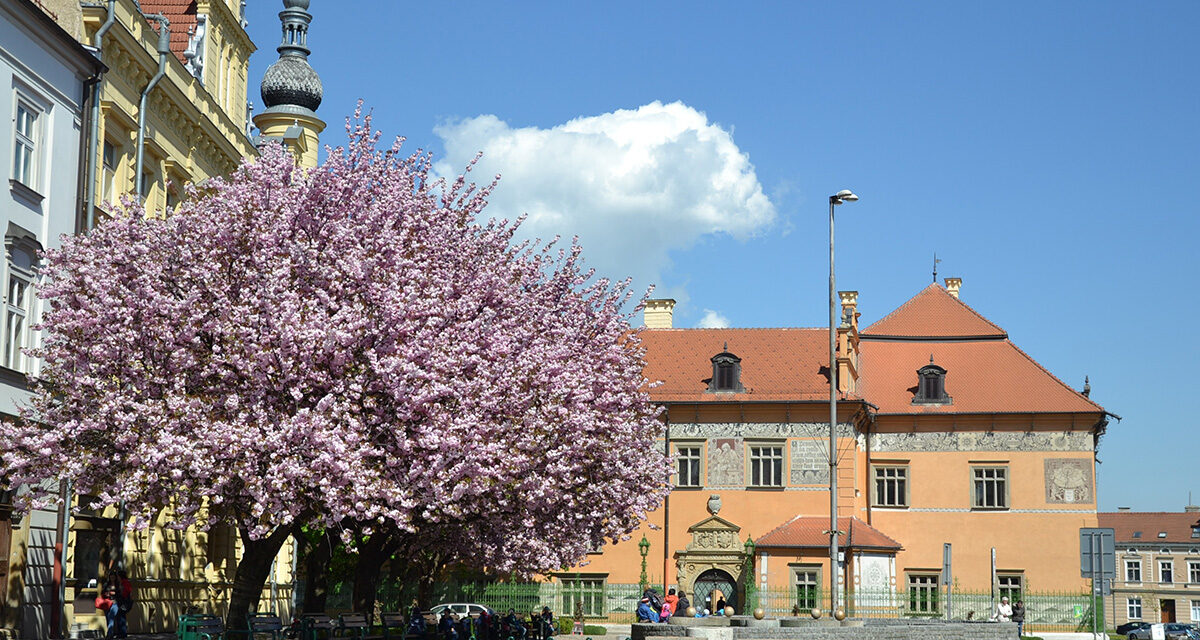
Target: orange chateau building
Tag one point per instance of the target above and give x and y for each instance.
(947, 433)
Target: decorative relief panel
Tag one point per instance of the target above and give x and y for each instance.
(810, 462)
(1068, 480)
(725, 462)
(983, 441)
(758, 430)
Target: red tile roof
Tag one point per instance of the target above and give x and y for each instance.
(1177, 526)
(787, 365)
(182, 14)
(934, 313)
(810, 531)
(984, 376)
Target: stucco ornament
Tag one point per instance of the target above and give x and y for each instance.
(714, 504)
(1068, 480)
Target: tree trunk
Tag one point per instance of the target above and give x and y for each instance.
(372, 554)
(316, 573)
(252, 573)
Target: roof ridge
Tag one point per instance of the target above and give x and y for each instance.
(1054, 377)
(936, 287)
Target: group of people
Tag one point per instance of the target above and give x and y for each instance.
(1006, 612)
(655, 608)
(488, 626)
(115, 600)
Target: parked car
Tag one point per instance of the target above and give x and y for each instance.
(461, 609)
(1171, 631)
(1125, 629)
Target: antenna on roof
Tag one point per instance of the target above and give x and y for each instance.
(935, 264)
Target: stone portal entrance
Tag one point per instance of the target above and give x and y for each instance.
(713, 561)
(711, 587)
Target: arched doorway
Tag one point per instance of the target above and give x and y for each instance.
(714, 584)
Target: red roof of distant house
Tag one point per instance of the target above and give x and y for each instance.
(934, 313)
(182, 14)
(985, 372)
(812, 531)
(1177, 526)
(787, 365)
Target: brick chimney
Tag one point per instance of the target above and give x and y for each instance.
(659, 313)
(953, 285)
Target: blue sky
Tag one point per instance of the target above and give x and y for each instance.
(1048, 152)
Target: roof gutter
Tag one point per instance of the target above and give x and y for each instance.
(94, 133)
(164, 50)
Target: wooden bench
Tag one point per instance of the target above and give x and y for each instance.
(355, 625)
(393, 620)
(266, 624)
(316, 626)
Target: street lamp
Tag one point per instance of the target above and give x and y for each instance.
(845, 195)
(749, 604)
(644, 549)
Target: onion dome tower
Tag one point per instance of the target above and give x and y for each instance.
(291, 90)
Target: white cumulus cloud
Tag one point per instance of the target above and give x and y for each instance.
(633, 184)
(713, 320)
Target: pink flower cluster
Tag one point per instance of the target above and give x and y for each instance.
(350, 343)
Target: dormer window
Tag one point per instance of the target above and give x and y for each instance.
(727, 373)
(931, 385)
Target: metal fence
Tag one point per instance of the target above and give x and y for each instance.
(617, 603)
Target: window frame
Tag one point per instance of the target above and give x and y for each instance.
(1169, 563)
(1131, 565)
(698, 445)
(814, 597)
(594, 595)
(1014, 592)
(1133, 608)
(1195, 611)
(923, 582)
(905, 480)
(11, 357)
(1193, 572)
(1004, 495)
(751, 461)
(31, 177)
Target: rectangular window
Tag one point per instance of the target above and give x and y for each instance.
(16, 320)
(1010, 585)
(589, 591)
(1195, 611)
(891, 486)
(990, 487)
(108, 172)
(923, 593)
(25, 139)
(687, 462)
(806, 582)
(1133, 608)
(1166, 571)
(766, 466)
(1194, 575)
(1133, 570)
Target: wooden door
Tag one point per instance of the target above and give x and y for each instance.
(1168, 610)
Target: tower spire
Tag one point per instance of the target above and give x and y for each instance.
(291, 90)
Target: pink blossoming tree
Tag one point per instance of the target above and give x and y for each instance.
(354, 343)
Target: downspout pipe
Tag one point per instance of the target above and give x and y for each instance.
(94, 133)
(164, 51)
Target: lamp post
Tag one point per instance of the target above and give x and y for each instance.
(644, 549)
(845, 195)
(749, 604)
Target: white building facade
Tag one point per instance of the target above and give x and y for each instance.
(45, 75)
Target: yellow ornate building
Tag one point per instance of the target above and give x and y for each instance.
(172, 108)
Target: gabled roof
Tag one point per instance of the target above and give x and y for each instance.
(780, 365)
(985, 371)
(1178, 526)
(982, 376)
(933, 313)
(811, 531)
